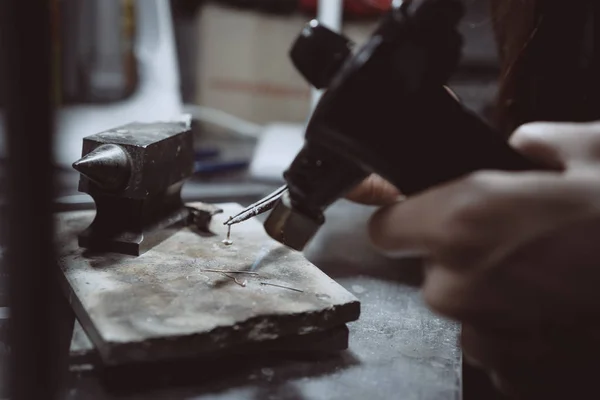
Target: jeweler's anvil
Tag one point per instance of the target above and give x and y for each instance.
(135, 173)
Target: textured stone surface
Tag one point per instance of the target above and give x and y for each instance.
(163, 304)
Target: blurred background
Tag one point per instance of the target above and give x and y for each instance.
(225, 62)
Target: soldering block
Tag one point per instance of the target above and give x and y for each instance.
(165, 305)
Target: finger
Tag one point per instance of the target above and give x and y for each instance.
(559, 145)
(427, 220)
(374, 191)
(482, 215)
(459, 294)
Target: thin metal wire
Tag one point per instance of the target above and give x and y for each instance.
(242, 284)
(230, 272)
(282, 287)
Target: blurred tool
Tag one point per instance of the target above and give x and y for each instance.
(206, 153)
(386, 110)
(220, 167)
(207, 162)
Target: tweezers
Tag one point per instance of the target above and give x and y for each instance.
(263, 205)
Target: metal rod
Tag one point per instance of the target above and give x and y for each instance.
(28, 99)
(281, 286)
(230, 272)
(242, 284)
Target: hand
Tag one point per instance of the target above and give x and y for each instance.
(514, 256)
(374, 191)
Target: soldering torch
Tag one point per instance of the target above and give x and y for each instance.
(386, 110)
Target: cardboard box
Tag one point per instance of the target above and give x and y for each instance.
(244, 67)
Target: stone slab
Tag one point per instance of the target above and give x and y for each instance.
(164, 305)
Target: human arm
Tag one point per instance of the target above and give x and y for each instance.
(514, 256)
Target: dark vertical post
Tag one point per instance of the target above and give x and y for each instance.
(26, 47)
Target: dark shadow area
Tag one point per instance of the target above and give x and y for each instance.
(63, 322)
(100, 259)
(221, 374)
(477, 385)
(205, 232)
(407, 271)
(264, 368)
(267, 374)
(200, 218)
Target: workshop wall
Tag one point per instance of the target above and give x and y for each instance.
(243, 66)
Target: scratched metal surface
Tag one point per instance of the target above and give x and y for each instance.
(163, 305)
(398, 348)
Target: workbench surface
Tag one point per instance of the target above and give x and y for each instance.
(398, 349)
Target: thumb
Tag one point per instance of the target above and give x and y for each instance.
(559, 145)
(374, 191)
